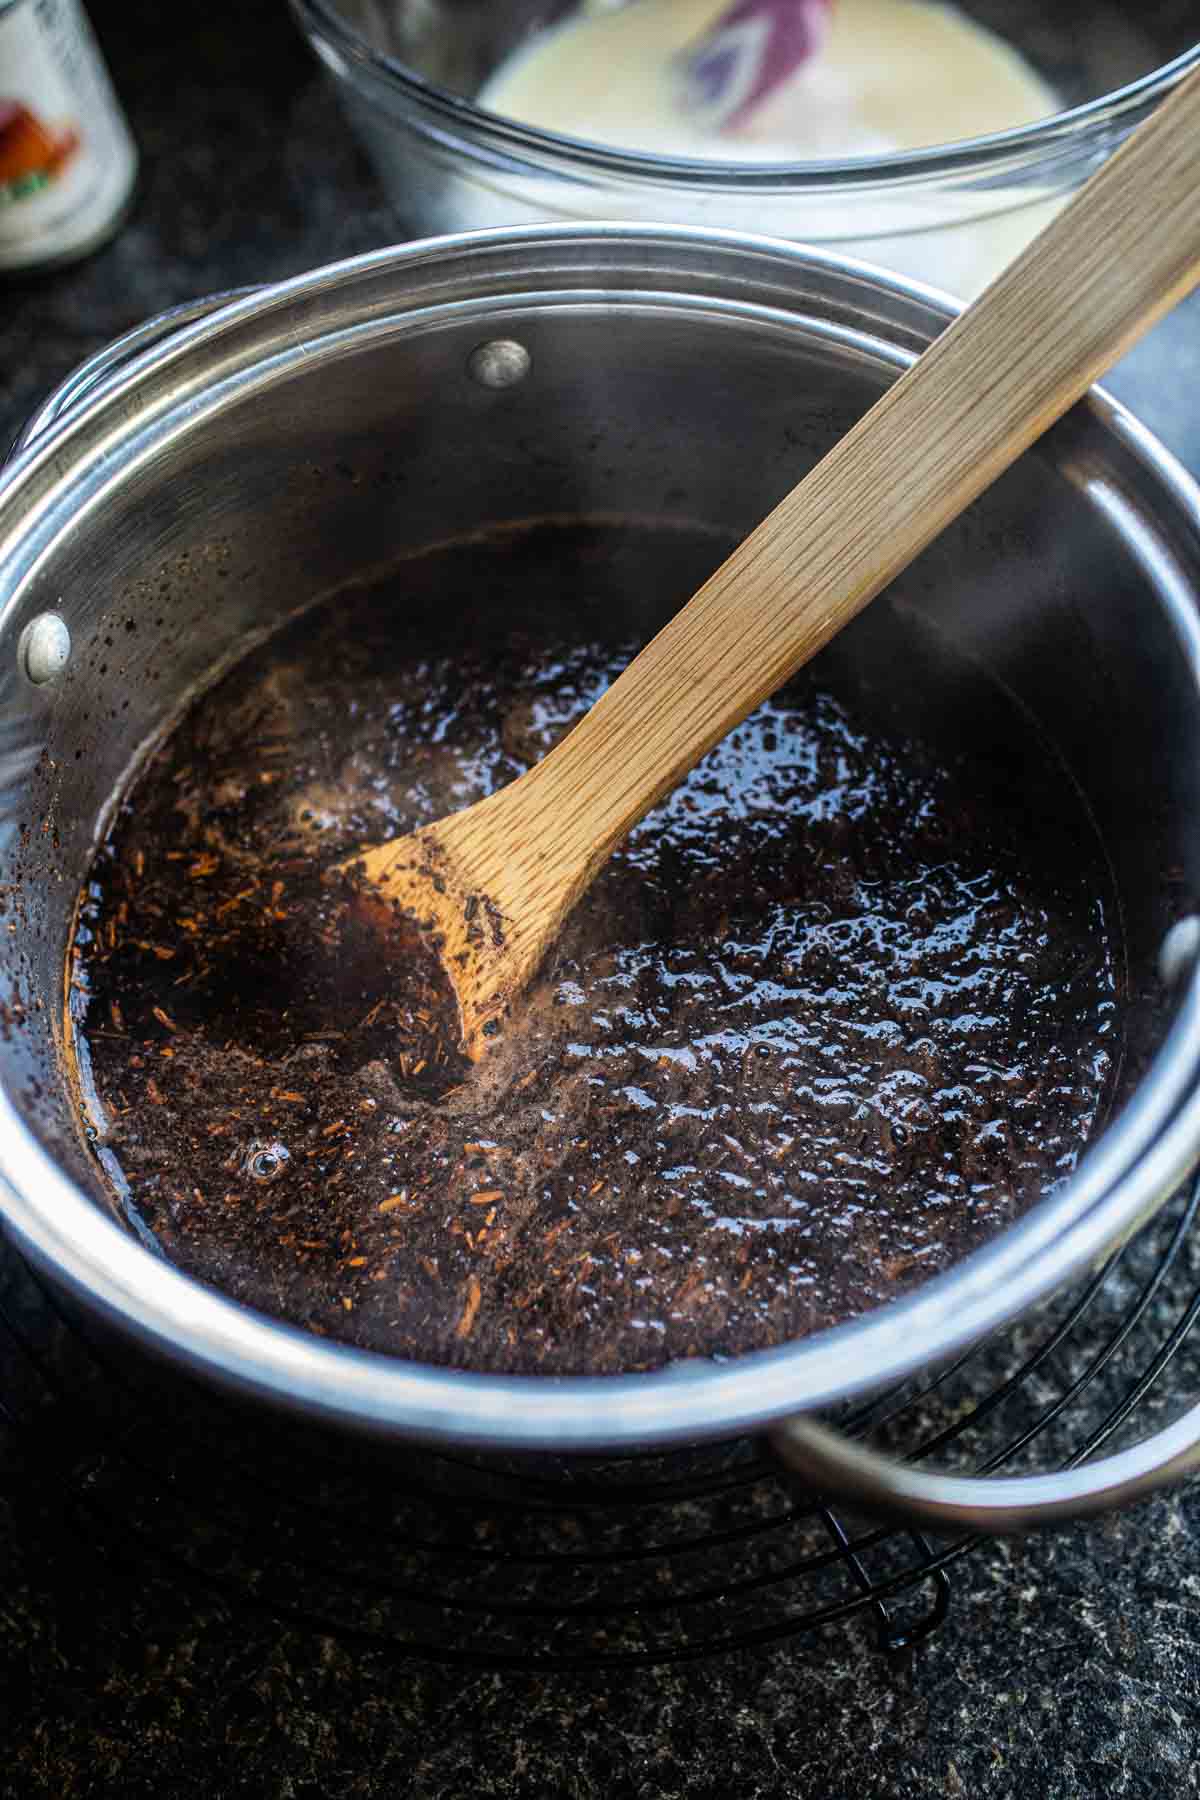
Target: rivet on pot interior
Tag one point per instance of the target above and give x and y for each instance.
(500, 363)
(1179, 950)
(44, 648)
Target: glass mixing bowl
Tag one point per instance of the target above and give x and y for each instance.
(408, 73)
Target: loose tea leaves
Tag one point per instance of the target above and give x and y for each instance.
(839, 1009)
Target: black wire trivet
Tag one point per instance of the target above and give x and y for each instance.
(570, 1563)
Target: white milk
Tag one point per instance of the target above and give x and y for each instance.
(893, 75)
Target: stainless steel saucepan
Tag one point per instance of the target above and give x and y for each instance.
(184, 494)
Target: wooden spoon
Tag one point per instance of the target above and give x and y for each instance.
(491, 885)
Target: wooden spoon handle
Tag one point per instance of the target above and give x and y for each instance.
(1122, 252)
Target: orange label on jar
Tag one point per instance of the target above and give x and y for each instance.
(67, 161)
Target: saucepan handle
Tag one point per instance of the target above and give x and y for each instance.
(991, 1504)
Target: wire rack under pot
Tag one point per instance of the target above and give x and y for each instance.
(564, 1563)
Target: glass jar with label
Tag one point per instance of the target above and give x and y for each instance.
(67, 159)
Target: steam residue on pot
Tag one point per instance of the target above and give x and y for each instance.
(841, 1008)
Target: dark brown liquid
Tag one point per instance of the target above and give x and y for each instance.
(838, 1010)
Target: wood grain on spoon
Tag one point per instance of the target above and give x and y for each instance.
(492, 884)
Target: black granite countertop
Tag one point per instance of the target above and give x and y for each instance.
(1069, 1664)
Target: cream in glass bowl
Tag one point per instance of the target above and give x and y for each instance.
(933, 139)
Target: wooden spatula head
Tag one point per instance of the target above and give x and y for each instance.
(488, 896)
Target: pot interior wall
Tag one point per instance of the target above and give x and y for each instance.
(251, 504)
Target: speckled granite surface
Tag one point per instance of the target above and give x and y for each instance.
(1069, 1665)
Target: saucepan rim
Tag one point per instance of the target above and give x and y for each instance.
(1131, 1169)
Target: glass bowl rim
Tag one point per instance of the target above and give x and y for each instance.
(1024, 145)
